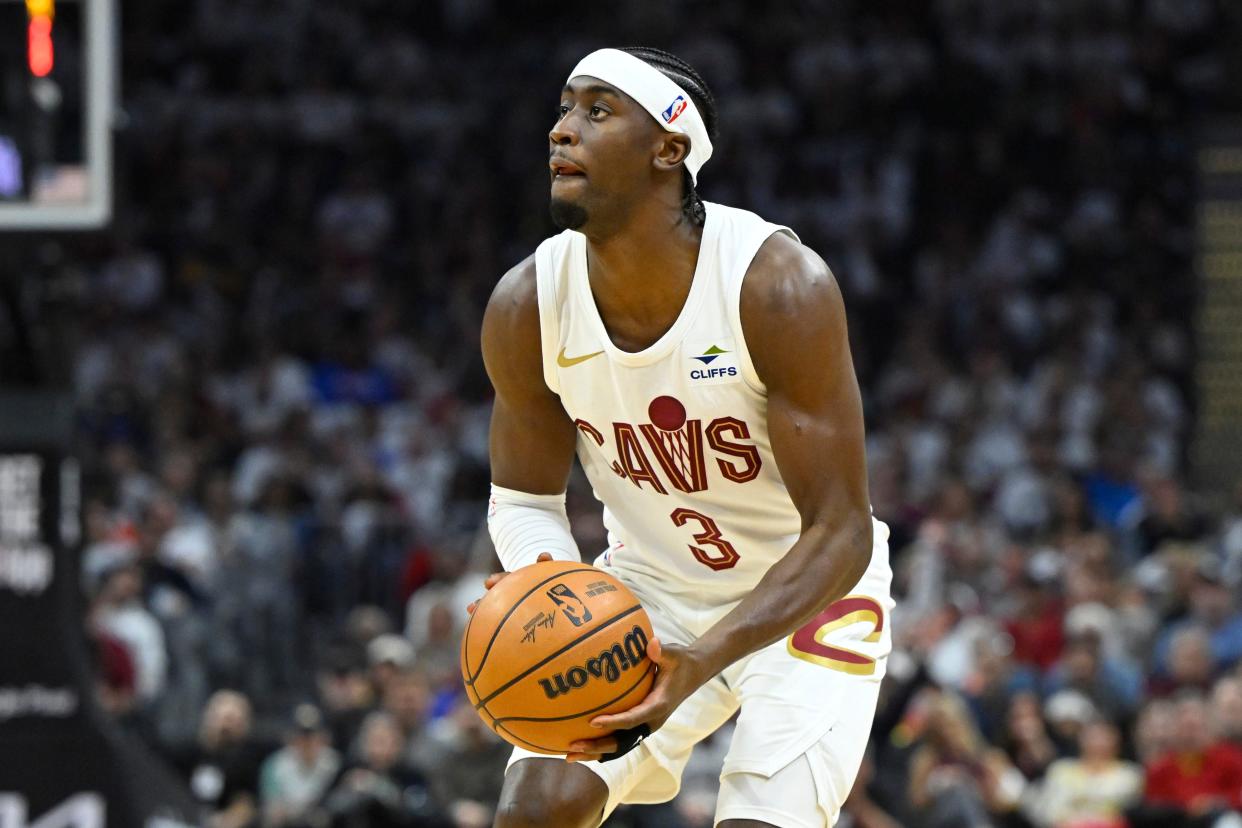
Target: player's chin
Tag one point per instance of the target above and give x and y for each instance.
(567, 213)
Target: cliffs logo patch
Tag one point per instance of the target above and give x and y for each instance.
(709, 356)
(631, 651)
(571, 605)
(723, 370)
(675, 109)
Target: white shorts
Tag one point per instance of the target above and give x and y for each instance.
(807, 704)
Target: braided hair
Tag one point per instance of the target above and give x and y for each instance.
(683, 74)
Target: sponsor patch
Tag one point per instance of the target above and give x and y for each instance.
(712, 362)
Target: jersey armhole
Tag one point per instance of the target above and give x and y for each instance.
(749, 374)
(549, 326)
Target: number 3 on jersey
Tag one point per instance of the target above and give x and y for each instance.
(808, 643)
(710, 536)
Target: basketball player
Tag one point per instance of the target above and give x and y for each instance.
(695, 358)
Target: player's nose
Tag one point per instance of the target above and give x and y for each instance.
(563, 134)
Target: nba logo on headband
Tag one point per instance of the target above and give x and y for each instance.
(650, 88)
(677, 107)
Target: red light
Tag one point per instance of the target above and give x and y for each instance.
(40, 46)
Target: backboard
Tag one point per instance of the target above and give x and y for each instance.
(57, 101)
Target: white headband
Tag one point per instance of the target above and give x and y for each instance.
(667, 102)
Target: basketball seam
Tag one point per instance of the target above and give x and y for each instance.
(525, 741)
(469, 679)
(601, 627)
(622, 694)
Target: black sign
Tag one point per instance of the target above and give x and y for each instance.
(64, 763)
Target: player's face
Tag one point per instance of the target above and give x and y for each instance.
(600, 153)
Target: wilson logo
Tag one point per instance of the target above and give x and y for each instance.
(631, 651)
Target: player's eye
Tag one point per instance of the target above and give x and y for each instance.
(598, 111)
(561, 109)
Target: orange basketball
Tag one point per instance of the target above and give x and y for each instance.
(551, 647)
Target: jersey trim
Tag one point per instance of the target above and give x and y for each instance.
(743, 263)
(699, 288)
(549, 324)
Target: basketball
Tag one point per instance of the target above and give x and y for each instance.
(551, 647)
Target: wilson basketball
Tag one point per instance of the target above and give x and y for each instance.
(551, 647)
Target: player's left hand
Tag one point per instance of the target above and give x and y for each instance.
(677, 677)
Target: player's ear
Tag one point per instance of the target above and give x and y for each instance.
(673, 149)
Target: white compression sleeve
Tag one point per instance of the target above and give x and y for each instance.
(523, 525)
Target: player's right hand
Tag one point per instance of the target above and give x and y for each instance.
(497, 577)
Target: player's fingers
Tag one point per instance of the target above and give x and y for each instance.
(593, 747)
(544, 556)
(642, 712)
(471, 607)
(655, 651)
(494, 579)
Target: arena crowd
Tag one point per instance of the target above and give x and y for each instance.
(283, 414)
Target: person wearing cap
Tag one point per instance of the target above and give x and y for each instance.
(295, 778)
(388, 655)
(695, 358)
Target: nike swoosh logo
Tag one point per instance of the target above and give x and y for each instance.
(569, 362)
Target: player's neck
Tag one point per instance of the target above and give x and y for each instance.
(640, 274)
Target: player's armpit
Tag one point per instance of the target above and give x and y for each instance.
(532, 438)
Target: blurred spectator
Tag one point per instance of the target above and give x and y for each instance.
(1200, 778)
(439, 651)
(407, 700)
(1227, 710)
(1213, 607)
(388, 656)
(115, 675)
(955, 778)
(1109, 684)
(377, 790)
(222, 766)
(1026, 738)
(254, 602)
(118, 610)
(1067, 712)
(1191, 666)
(860, 810)
(295, 778)
(1036, 625)
(1169, 517)
(346, 695)
(471, 760)
(1155, 733)
(1092, 790)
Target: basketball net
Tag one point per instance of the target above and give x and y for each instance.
(677, 443)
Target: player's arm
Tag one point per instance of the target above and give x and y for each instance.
(793, 319)
(532, 438)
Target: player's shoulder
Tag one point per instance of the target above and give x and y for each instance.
(517, 287)
(512, 313)
(786, 279)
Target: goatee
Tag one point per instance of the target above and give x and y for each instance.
(567, 215)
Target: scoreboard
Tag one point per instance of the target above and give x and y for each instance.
(57, 100)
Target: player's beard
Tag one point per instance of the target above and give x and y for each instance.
(567, 215)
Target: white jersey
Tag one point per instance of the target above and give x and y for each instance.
(673, 438)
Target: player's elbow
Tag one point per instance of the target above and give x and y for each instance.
(856, 547)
